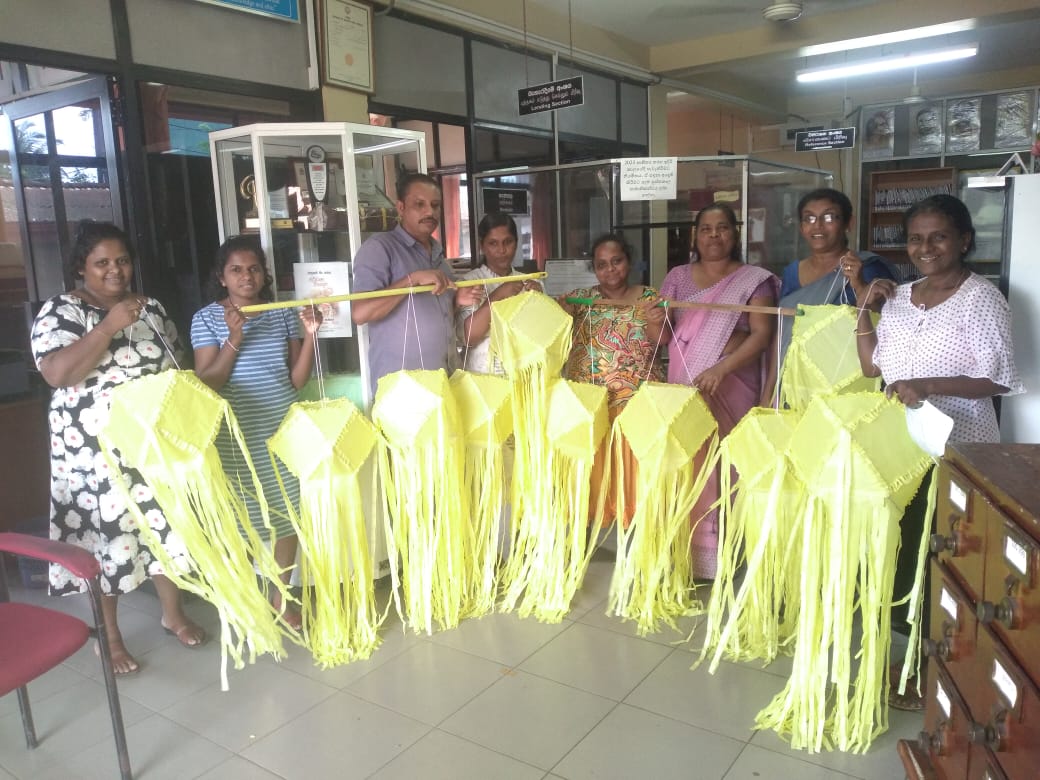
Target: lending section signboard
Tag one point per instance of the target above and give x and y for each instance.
(549, 97)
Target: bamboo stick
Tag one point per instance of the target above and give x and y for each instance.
(361, 296)
(669, 304)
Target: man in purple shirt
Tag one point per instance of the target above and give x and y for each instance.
(409, 331)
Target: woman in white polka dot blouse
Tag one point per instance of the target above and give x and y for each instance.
(945, 338)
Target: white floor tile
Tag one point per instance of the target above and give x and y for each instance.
(441, 756)
(533, 720)
(237, 768)
(343, 737)
(725, 702)
(501, 637)
(755, 763)
(427, 682)
(596, 660)
(261, 699)
(66, 726)
(881, 762)
(631, 743)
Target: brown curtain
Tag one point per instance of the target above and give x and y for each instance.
(452, 215)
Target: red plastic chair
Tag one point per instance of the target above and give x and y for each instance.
(35, 639)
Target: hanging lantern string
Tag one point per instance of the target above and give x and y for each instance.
(668, 304)
(318, 369)
(362, 296)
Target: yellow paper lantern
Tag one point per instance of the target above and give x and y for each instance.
(822, 358)
(165, 426)
(551, 544)
(486, 423)
(665, 426)
(428, 507)
(860, 468)
(324, 444)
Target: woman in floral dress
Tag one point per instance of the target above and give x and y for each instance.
(85, 343)
(616, 346)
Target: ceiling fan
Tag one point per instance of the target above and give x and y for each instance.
(776, 11)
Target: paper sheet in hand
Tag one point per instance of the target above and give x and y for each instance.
(929, 428)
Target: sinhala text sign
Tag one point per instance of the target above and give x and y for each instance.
(551, 96)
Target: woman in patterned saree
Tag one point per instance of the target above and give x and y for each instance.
(616, 346)
(723, 354)
(86, 342)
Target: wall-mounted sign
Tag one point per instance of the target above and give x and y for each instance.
(649, 178)
(347, 36)
(506, 200)
(551, 96)
(289, 10)
(821, 140)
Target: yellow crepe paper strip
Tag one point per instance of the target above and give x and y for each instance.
(822, 358)
(385, 293)
(486, 420)
(665, 427)
(429, 531)
(324, 444)
(758, 528)
(860, 468)
(551, 543)
(165, 425)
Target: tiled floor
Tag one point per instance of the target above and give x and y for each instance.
(495, 698)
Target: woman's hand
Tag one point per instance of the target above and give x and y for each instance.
(469, 296)
(911, 392)
(311, 317)
(876, 293)
(653, 312)
(235, 321)
(709, 381)
(123, 314)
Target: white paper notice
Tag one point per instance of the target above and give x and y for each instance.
(929, 428)
(1016, 555)
(568, 274)
(649, 178)
(320, 280)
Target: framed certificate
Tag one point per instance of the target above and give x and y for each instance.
(347, 34)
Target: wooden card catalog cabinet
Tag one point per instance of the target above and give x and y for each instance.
(982, 712)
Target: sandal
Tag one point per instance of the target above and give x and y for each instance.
(189, 634)
(910, 700)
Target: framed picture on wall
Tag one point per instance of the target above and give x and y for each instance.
(963, 125)
(926, 131)
(347, 45)
(879, 127)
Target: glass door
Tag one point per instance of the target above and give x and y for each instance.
(61, 169)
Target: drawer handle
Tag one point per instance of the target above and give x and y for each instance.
(933, 743)
(991, 734)
(1003, 613)
(942, 649)
(938, 543)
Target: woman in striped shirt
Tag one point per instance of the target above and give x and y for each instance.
(258, 362)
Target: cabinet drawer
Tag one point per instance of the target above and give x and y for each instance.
(984, 765)
(1008, 723)
(947, 726)
(960, 531)
(1011, 597)
(951, 635)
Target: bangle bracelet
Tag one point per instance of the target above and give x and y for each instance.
(864, 332)
(228, 343)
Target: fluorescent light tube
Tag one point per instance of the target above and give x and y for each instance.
(886, 64)
(886, 39)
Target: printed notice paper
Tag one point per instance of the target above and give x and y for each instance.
(321, 280)
(649, 178)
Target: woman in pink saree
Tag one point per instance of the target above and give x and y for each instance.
(723, 354)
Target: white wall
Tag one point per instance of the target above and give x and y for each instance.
(77, 26)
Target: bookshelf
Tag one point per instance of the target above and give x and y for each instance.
(891, 194)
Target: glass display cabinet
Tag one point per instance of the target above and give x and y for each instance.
(561, 209)
(312, 193)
